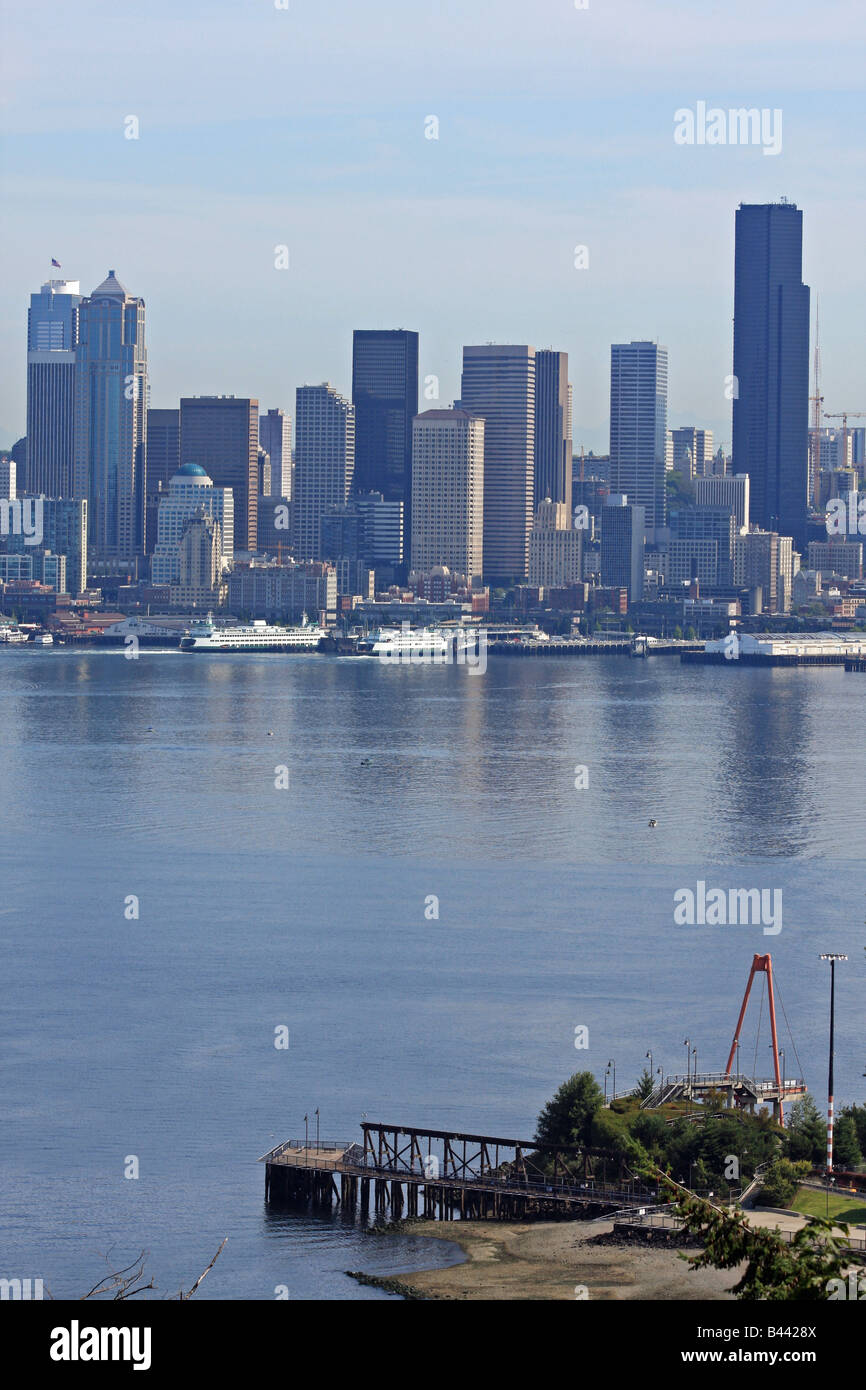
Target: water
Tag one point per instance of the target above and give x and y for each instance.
(312, 908)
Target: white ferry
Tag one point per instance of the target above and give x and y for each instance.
(426, 644)
(258, 636)
(8, 633)
(43, 639)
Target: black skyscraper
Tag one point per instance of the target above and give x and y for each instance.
(771, 365)
(385, 397)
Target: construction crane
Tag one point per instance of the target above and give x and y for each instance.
(845, 416)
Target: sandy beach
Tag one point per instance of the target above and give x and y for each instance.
(557, 1260)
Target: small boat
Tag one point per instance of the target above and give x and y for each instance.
(11, 634)
(43, 639)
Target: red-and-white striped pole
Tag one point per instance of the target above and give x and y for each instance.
(832, 958)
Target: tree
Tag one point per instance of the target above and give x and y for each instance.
(781, 1180)
(775, 1269)
(645, 1085)
(567, 1117)
(846, 1148)
(806, 1130)
(858, 1115)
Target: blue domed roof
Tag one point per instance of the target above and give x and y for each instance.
(191, 470)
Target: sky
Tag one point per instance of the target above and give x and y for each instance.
(304, 124)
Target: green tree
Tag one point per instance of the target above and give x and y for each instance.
(807, 1131)
(775, 1269)
(567, 1117)
(858, 1115)
(781, 1180)
(645, 1085)
(846, 1148)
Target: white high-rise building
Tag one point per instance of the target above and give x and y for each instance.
(448, 492)
(275, 437)
(725, 490)
(8, 478)
(324, 462)
(189, 492)
(498, 382)
(692, 451)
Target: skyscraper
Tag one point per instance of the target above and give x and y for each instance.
(163, 461)
(324, 461)
(189, 492)
(553, 444)
(638, 427)
(221, 433)
(771, 365)
(622, 546)
(52, 337)
(275, 436)
(498, 382)
(448, 492)
(385, 397)
(111, 419)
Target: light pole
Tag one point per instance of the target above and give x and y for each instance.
(650, 1055)
(832, 957)
(612, 1064)
(306, 1140)
(317, 1129)
(687, 1045)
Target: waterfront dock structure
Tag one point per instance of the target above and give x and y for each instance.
(446, 1175)
(783, 649)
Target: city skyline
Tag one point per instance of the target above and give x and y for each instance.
(467, 237)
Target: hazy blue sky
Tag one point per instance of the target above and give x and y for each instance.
(305, 126)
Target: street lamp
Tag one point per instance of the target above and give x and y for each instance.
(612, 1063)
(650, 1055)
(832, 957)
(687, 1045)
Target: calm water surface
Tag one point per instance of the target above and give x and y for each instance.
(305, 907)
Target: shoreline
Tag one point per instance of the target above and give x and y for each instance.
(552, 1260)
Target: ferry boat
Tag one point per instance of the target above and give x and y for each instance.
(43, 639)
(8, 633)
(426, 644)
(258, 636)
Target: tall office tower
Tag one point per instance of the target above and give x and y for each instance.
(382, 531)
(200, 581)
(692, 451)
(275, 436)
(771, 365)
(324, 462)
(448, 492)
(622, 546)
(764, 560)
(385, 397)
(264, 473)
(553, 443)
(221, 433)
(52, 337)
(725, 490)
(163, 461)
(498, 382)
(189, 492)
(638, 427)
(64, 532)
(111, 420)
(555, 548)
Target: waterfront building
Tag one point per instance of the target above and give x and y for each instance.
(703, 525)
(221, 434)
(34, 566)
(52, 339)
(283, 592)
(764, 560)
(498, 382)
(448, 491)
(771, 365)
(110, 434)
(638, 428)
(324, 462)
(385, 398)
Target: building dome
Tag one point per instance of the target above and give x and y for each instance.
(192, 472)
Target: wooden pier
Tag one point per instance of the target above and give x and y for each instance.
(445, 1175)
